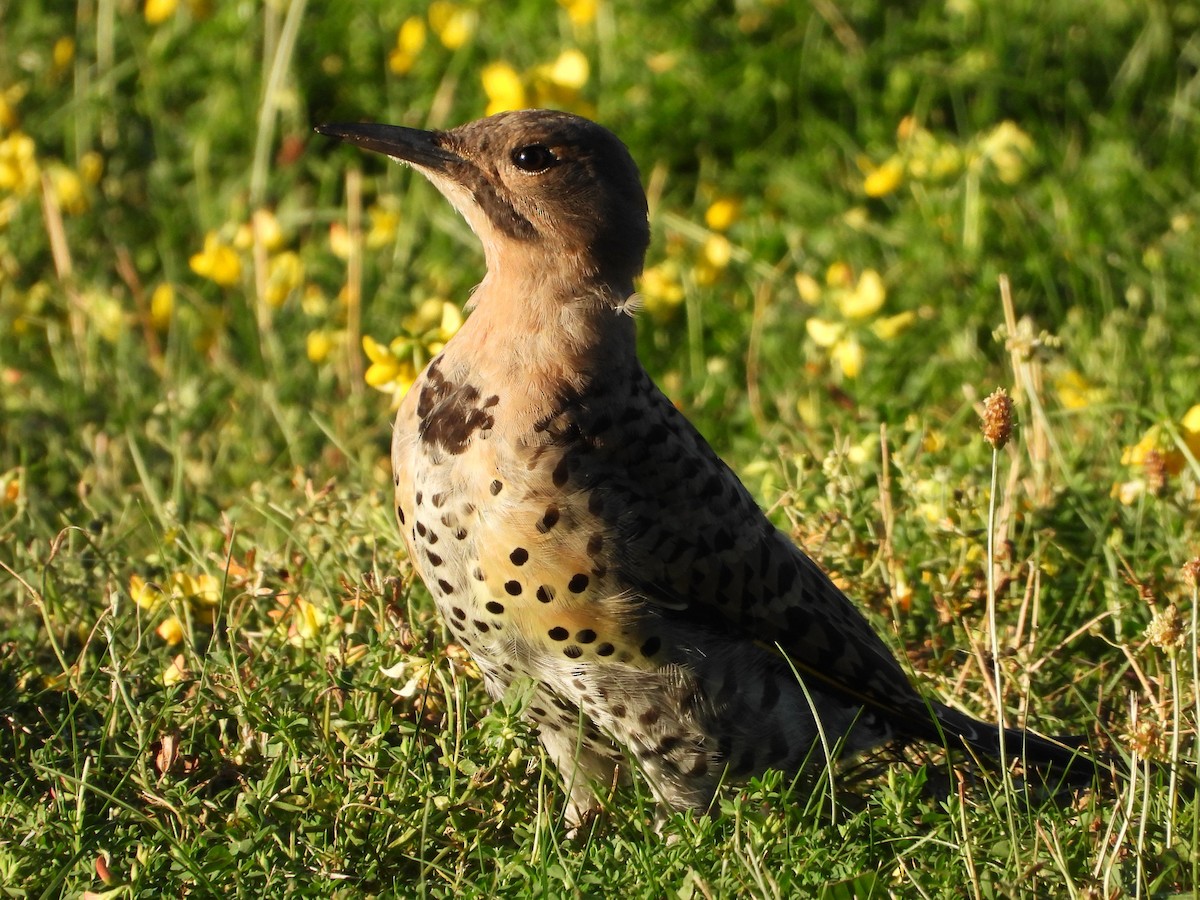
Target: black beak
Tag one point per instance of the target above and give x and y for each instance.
(410, 145)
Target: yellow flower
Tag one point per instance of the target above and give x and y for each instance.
(162, 306)
(808, 288)
(339, 240)
(889, 326)
(451, 23)
(848, 354)
(391, 370)
(409, 42)
(855, 301)
(9, 98)
(91, 167)
(1008, 149)
(717, 251)
(722, 213)
(660, 290)
(580, 12)
(217, 262)
(1191, 424)
(307, 621)
(205, 590)
(19, 172)
(1159, 447)
(1076, 392)
(201, 593)
(318, 345)
(105, 314)
(266, 230)
(176, 672)
(434, 323)
(824, 333)
(1127, 492)
(884, 179)
(839, 275)
(146, 594)
(384, 222)
(503, 87)
(68, 190)
(170, 629)
(158, 11)
(63, 53)
(570, 70)
(867, 297)
(10, 486)
(557, 84)
(285, 273)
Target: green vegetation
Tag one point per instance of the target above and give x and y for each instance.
(217, 674)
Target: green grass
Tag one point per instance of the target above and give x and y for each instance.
(317, 737)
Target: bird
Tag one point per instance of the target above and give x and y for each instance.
(579, 535)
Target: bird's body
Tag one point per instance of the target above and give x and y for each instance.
(576, 530)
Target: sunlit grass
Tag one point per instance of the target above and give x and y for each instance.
(216, 667)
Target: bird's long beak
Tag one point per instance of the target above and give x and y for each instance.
(411, 145)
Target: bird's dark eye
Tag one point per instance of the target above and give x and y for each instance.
(534, 158)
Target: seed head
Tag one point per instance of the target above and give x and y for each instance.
(1165, 630)
(1154, 467)
(997, 418)
(1191, 572)
(1146, 738)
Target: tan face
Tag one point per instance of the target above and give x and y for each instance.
(550, 179)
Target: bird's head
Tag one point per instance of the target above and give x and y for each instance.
(548, 193)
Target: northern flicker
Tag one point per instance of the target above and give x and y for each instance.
(575, 529)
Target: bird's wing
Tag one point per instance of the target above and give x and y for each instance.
(693, 543)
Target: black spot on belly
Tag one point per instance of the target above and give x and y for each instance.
(549, 520)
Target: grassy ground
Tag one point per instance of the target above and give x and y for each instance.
(217, 674)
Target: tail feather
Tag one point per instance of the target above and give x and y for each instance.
(1061, 757)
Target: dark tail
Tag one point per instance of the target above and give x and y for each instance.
(1064, 759)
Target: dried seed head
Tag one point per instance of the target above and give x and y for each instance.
(1165, 630)
(997, 418)
(1146, 738)
(1154, 467)
(1191, 572)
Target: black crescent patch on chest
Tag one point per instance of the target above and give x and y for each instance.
(450, 413)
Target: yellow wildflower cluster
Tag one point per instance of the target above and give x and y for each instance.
(555, 84)
(1163, 452)
(262, 238)
(1075, 391)
(851, 304)
(304, 620)
(661, 288)
(395, 366)
(383, 218)
(21, 171)
(922, 156)
(187, 597)
(452, 23)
